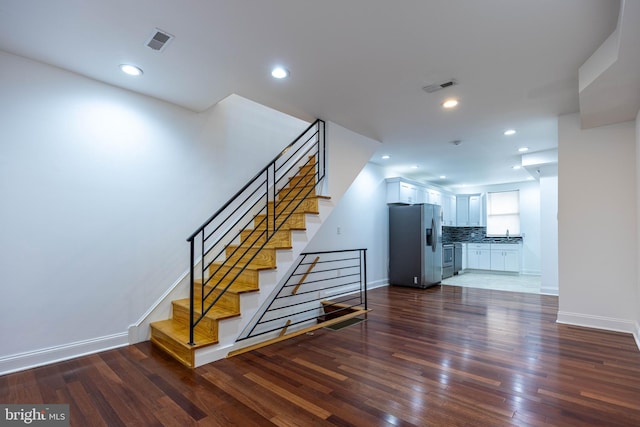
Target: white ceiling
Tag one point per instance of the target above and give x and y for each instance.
(359, 63)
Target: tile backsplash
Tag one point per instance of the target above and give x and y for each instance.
(472, 234)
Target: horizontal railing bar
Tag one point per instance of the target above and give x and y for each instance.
(348, 258)
(289, 315)
(332, 252)
(309, 302)
(342, 267)
(336, 303)
(324, 280)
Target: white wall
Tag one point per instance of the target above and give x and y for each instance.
(99, 189)
(549, 234)
(637, 325)
(597, 232)
(529, 219)
(360, 220)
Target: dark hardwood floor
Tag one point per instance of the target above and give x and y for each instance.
(444, 356)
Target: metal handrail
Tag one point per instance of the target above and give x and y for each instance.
(319, 279)
(209, 243)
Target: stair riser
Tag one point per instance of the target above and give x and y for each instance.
(249, 277)
(282, 239)
(296, 205)
(265, 257)
(308, 180)
(206, 326)
(297, 192)
(296, 221)
(184, 356)
(228, 300)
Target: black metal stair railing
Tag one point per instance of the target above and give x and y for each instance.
(322, 286)
(256, 207)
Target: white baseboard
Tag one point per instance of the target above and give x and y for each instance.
(46, 356)
(377, 284)
(598, 322)
(636, 334)
(549, 291)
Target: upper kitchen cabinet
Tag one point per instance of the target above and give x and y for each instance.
(404, 191)
(470, 210)
(449, 210)
(401, 191)
(435, 197)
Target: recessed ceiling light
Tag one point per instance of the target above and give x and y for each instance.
(414, 167)
(450, 103)
(510, 132)
(443, 176)
(131, 70)
(386, 156)
(279, 73)
(523, 149)
(516, 167)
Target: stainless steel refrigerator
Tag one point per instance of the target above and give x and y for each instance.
(415, 245)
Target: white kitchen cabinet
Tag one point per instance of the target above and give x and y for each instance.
(475, 210)
(505, 257)
(462, 210)
(449, 210)
(399, 191)
(479, 256)
(464, 256)
(469, 210)
(435, 197)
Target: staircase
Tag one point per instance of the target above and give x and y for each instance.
(227, 279)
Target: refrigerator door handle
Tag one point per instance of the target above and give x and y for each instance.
(433, 241)
(429, 238)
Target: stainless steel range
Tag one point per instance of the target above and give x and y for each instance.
(447, 260)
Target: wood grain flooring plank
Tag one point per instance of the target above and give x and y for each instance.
(320, 369)
(290, 396)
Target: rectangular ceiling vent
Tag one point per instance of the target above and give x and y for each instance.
(439, 86)
(159, 40)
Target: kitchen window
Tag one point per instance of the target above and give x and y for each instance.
(503, 213)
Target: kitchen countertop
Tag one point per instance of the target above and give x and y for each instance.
(501, 240)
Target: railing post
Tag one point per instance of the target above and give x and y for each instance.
(324, 149)
(364, 255)
(191, 292)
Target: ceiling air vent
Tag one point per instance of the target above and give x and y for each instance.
(159, 40)
(439, 86)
